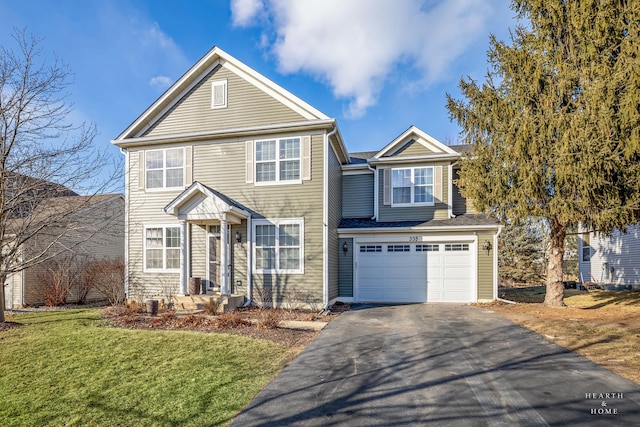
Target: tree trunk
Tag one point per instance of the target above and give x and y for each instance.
(3, 278)
(555, 288)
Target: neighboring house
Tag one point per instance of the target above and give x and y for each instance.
(84, 228)
(613, 259)
(233, 179)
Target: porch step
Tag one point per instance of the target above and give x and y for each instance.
(197, 302)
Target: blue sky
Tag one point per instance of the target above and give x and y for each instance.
(377, 66)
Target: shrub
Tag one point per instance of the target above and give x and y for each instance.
(232, 319)
(270, 318)
(107, 276)
(212, 307)
(58, 277)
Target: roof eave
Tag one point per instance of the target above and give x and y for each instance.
(225, 133)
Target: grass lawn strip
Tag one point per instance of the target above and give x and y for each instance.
(602, 326)
(66, 368)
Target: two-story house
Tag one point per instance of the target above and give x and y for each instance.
(235, 180)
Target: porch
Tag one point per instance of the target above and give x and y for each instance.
(225, 303)
(210, 249)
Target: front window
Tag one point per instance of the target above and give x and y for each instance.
(279, 246)
(277, 160)
(162, 248)
(412, 186)
(164, 168)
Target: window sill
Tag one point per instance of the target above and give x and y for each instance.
(411, 205)
(275, 183)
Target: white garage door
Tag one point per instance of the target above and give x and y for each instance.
(394, 273)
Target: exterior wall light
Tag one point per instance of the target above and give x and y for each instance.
(238, 237)
(486, 245)
(345, 247)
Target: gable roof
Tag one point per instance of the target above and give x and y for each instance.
(209, 204)
(215, 57)
(414, 135)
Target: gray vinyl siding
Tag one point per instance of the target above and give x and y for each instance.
(485, 267)
(459, 203)
(247, 106)
(221, 166)
(104, 239)
(621, 251)
(334, 211)
(410, 149)
(584, 266)
(357, 195)
(415, 213)
(198, 249)
(346, 268)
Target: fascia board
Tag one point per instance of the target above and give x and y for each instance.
(226, 133)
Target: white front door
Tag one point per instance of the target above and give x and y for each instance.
(8, 292)
(214, 258)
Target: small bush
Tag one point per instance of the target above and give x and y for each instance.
(58, 277)
(231, 320)
(108, 278)
(270, 318)
(212, 307)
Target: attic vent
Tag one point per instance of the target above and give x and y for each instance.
(219, 94)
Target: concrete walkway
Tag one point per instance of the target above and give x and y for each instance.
(441, 365)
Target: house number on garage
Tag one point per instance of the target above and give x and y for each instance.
(414, 238)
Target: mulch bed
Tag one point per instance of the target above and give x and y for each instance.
(251, 321)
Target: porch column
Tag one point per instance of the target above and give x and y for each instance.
(184, 258)
(224, 257)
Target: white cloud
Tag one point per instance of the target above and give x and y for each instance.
(243, 12)
(160, 82)
(354, 46)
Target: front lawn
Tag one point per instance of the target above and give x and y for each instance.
(69, 368)
(602, 326)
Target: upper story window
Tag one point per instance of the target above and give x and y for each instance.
(219, 94)
(277, 160)
(164, 168)
(412, 186)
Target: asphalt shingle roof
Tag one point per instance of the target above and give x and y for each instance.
(459, 221)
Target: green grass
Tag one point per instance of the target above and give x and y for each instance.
(531, 294)
(68, 368)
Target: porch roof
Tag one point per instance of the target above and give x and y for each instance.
(199, 203)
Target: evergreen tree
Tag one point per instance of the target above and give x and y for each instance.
(521, 253)
(555, 127)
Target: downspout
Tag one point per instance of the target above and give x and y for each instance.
(375, 191)
(325, 218)
(495, 264)
(125, 153)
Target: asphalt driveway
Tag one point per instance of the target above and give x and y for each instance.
(440, 365)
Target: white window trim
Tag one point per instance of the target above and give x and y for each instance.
(277, 223)
(277, 181)
(164, 170)
(164, 248)
(214, 84)
(433, 187)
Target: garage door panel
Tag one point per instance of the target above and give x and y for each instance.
(432, 275)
